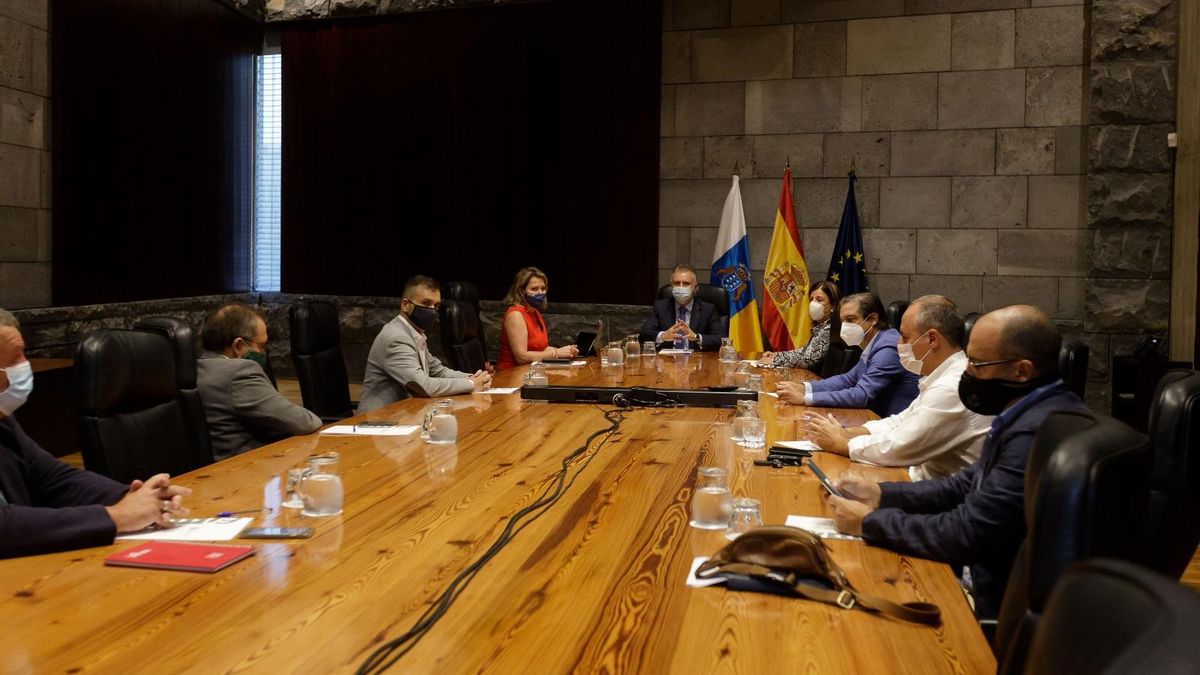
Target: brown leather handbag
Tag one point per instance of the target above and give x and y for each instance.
(791, 561)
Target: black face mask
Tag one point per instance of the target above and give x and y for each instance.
(424, 317)
(991, 397)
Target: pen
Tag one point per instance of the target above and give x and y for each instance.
(226, 514)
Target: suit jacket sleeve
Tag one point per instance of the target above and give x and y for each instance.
(711, 332)
(961, 534)
(652, 326)
(882, 368)
(264, 410)
(64, 506)
(403, 365)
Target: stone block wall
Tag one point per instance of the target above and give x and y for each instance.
(24, 153)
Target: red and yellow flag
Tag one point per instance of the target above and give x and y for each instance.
(786, 321)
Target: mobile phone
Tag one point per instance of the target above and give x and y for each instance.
(790, 452)
(825, 482)
(276, 533)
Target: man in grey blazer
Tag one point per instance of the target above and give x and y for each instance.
(243, 409)
(400, 363)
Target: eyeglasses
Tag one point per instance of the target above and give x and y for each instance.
(980, 364)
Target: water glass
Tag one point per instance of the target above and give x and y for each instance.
(712, 501)
(755, 383)
(616, 354)
(745, 410)
(747, 515)
(536, 375)
(648, 348)
(443, 428)
(292, 498)
(728, 354)
(321, 487)
(633, 350)
(754, 433)
(741, 376)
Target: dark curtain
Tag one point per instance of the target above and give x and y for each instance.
(466, 144)
(152, 130)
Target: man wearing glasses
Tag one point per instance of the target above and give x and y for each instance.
(975, 518)
(241, 406)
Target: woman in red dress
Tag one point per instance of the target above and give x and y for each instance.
(523, 335)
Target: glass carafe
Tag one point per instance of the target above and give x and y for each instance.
(536, 375)
(712, 502)
(320, 487)
(745, 410)
(728, 354)
(633, 350)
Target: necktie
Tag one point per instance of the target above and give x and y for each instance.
(683, 314)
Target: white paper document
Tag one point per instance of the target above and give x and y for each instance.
(799, 445)
(500, 390)
(822, 527)
(670, 351)
(360, 430)
(695, 581)
(194, 529)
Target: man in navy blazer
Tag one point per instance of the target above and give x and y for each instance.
(976, 517)
(877, 382)
(46, 505)
(684, 316)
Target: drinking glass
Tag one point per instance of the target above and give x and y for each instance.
(292, 500)
(741, 376)
(712, 501)
(536, 375)
(648, 348)
(754, 433)
(321, 486)
(747, 410)
(443, 428)
(747, 515)
(728, 354)
(633, 350)
(755, 383)
(616, 354)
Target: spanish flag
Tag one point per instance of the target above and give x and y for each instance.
(785, 302)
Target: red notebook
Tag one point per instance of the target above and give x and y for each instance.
(174, 555)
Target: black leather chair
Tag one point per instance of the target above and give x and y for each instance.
(1085, 496)
(895, 311)
(317, 355)
(183, 345)
(465, 291)
(132, 421)
(1073, 364)
(969, 323)
(1112, 617)
(460, 336)
(1173, 528)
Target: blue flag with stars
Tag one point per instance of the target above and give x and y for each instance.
(848, 268)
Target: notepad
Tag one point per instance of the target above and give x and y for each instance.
(368, 430)
(194, 529)
(822, 527)
(169, 555)
(799, 445)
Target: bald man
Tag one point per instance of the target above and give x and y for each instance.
(976, 517)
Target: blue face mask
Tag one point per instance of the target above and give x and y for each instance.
(683, 294)
(20, 385)
(536, 300)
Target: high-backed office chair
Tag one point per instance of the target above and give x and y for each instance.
(317, 355)
(1085, 496)
(895, 311)
(1073, 364)
(465, 291)
(714, 295)
(460, 336)
(132, 421)
(1110, 617)
(1173, 528)
(968, 323)
(183, 345)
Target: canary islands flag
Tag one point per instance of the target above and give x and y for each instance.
(785, 300)
(731, 271)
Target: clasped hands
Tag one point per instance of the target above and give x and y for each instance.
(150, 502)
(481, 379)
(679, 330)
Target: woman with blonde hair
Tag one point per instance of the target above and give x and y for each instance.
(523, 335)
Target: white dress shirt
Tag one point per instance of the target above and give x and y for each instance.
(934, 436)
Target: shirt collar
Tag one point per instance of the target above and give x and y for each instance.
(956, 361)
(688, 306)
(1026, 402)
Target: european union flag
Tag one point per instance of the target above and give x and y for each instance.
(848, 268)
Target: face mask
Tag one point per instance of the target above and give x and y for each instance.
(536, 300)
(258, 357)
(910, 362)
(816, 310)
(991, 397)
(683, 295)
(852, 334)
(20, 385)
(424, 317)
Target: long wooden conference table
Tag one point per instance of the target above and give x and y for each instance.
(595, 584)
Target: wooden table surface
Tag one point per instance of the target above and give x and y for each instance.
(596, 584)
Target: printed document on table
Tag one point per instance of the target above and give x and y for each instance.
(194, 529)
(500, 390)
(352, 430)
(822, 527)
(799, 445)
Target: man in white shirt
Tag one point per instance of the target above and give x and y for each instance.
(935, 435)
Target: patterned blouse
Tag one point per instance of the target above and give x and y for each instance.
(811, 354)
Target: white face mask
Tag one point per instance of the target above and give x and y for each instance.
(910, 362)
(816, 310)
(852, 334)
(20, 385)
(683, 294)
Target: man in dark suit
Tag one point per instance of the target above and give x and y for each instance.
(242, 407)
(683, 317)
(975, 518)
(48, 506)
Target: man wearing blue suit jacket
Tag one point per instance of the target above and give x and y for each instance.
(877, 382)
(975, 518)
(683, 316)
